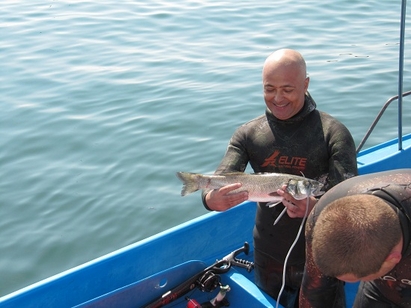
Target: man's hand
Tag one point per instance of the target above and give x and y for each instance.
(222, 199)
(296, 208)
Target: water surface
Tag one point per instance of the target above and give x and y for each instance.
(103, 101)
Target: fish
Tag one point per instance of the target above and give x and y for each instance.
(261, 187)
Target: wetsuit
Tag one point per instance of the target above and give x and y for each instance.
(311, 143)
(394, 288)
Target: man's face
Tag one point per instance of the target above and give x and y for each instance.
(284, 90)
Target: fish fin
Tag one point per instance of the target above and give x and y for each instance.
(190, 182)
(274, 203)
(278, 199)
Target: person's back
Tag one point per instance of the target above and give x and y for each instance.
(360, 231)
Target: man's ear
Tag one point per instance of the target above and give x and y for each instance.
(390, 262)
(393, 258)
(306, 83)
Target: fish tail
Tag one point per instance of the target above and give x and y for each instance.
(190, 182)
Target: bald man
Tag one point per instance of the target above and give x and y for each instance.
(291, 137)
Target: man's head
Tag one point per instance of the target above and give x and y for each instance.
(357, 238)
(285, 83)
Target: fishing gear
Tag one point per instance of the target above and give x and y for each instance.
(207, 281)
(292, 247)
(231, 257)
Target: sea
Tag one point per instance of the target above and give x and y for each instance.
(102, 102)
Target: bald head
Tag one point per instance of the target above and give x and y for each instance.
(285, 83)
(286, 58)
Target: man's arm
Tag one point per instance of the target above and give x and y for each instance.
(343, 156)
(234, 160)
(318, 290)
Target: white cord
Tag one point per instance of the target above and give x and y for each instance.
(292, 247)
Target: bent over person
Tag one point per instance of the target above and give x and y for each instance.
(292, 137)
(360, 230)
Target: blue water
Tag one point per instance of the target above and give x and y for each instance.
(103, 101)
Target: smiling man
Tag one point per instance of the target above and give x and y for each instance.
(360, 230)
(292, 137)
(285, 83)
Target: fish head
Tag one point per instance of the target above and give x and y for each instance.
(316, 189)
(301, 189)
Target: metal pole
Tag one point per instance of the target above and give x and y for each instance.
(401, 70)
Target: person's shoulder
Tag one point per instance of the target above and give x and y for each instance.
(256, 121)
(330, 121)
(328, 117)
(249, 128)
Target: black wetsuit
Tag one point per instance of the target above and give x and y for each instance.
(394, 288)
(311, 143)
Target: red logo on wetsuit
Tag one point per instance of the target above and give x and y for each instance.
(284, 161)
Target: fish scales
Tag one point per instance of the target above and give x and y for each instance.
(261, 187)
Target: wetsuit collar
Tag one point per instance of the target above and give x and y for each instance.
(403, 214)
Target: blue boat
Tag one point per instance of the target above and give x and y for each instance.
(189, 263)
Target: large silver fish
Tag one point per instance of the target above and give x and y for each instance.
(261, 187)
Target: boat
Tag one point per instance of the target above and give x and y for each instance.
(138, 274)
(141, 273)
(171, 269)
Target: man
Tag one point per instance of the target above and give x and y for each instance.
(360, 231)
(291, 137)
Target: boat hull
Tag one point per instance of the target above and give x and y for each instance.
(137, 274)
